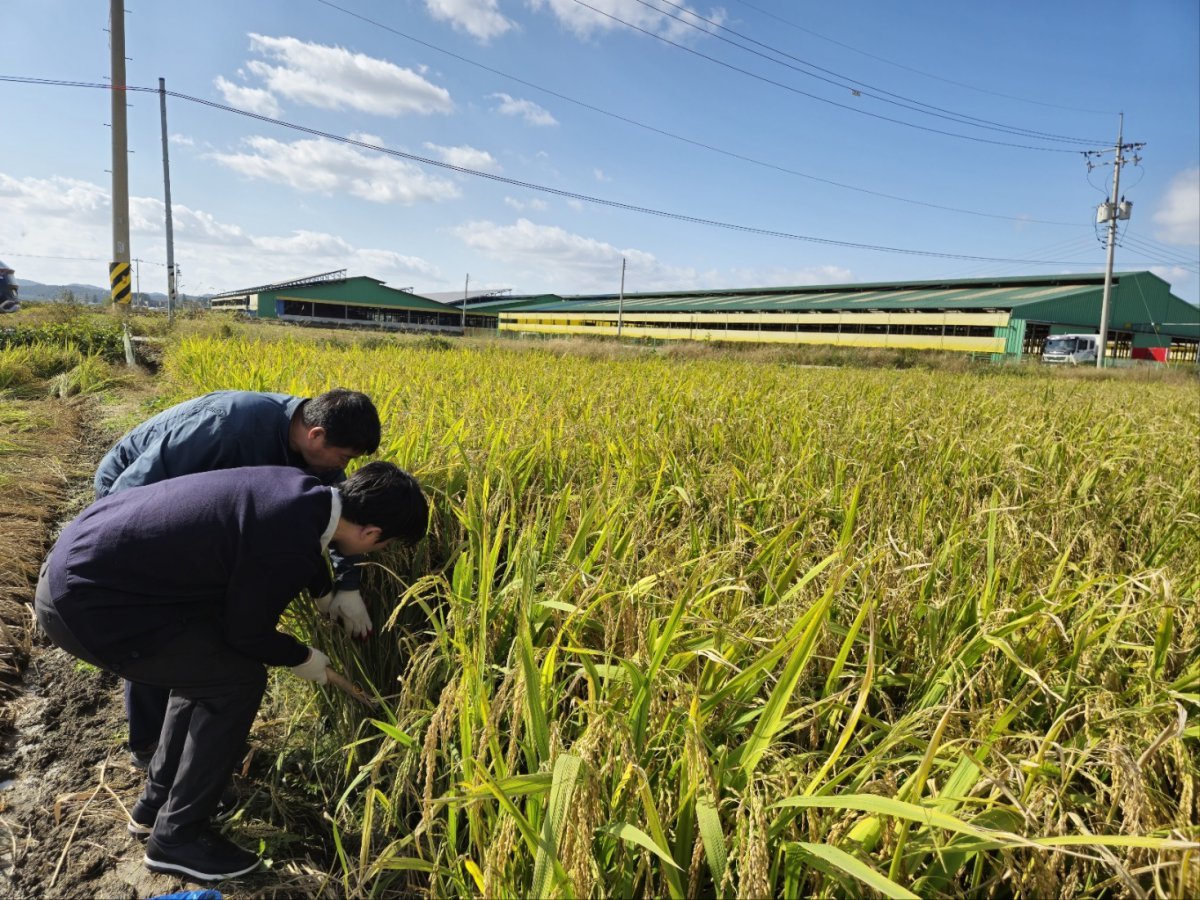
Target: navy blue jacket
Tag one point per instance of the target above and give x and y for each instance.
(233, 546)
(221, 430)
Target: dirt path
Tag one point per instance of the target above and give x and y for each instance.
(65, 779)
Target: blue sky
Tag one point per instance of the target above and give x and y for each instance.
(612, 100)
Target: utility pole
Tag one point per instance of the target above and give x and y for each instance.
(466, 290)
(1110, 211)
(162, 108)
(621, 301)
(118, 268)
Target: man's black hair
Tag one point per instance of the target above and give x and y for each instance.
(384, 495)
(348, 417)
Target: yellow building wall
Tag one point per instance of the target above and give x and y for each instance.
(644, 326)
(999, 319)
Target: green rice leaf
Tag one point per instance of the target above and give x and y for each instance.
(888, 806)
(713, 838)
(394, 733)
(562, 788)
(635, 835)
(857, 869)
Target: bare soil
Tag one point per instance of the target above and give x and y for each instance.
(65, 780)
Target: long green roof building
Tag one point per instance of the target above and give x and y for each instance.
(1003, 316)
(332, 298)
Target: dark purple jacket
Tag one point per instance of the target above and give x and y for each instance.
(232, 546)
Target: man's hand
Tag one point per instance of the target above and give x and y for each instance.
(313, 668)
(348, 606)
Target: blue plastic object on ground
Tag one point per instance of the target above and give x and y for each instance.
(208, 894)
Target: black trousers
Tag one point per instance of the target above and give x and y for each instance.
(145, 708)
(215, 694)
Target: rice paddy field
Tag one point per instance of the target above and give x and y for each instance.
(730, 627)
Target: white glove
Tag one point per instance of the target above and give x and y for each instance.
(313, 668)
(349, 607)
(322, 603)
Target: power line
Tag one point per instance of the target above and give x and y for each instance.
(1135, 246)
(615, 204)
(695, 143)
(1163, 250)
(1147, 249)
(1058, 248)
(1167, 247)
(15, 255)
(863, 89)
(796, 90)
(890, 62)
(1148, 258)
(531, 186)
(42, 256)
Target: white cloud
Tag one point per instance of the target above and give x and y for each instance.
(551, 258)
(574, 204)
(190, 226)
(599, 175)
(182, 140)
(1178, 214)
(255, 100)
(1175, 276)
(530, 111)
(213, 255)
(534, 203)
(546, 257)
(34, 241)
(481, 19)
(465, 157)
(675, 24)
(328, 167)
(336, 78)
(369, 262)
(69, 199)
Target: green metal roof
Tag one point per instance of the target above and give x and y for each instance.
(358, 290)
(505, 304)
(1141, 301)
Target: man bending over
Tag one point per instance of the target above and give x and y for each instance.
(225, 430)
(181, 585)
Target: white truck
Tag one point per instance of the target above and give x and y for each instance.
(1070, 348)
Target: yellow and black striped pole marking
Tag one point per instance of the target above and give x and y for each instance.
(118, 278)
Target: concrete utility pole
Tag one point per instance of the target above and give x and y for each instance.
(466, 291)
(621, 300)
(162, 107)
(1110, 211)
(118, 269)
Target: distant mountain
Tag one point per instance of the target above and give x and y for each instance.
(84, 293)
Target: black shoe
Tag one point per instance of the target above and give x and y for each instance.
(140, 758)
(141, 817)
(209, 857)
(141, 820)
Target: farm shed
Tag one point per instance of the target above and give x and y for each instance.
(331, 298)
(1002, 316)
